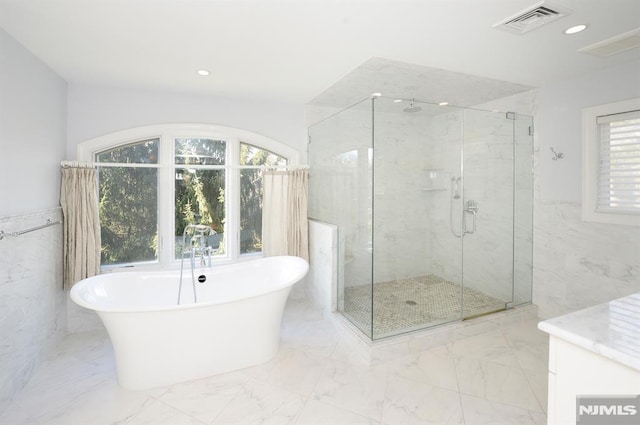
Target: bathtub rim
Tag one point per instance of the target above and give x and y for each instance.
(76, 297)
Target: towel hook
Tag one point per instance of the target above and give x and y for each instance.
(556, 155)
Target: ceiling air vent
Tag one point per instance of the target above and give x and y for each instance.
(534, 17)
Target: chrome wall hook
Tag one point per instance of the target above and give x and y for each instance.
(556, 155)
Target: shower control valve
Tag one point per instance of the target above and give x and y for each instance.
(471, 206)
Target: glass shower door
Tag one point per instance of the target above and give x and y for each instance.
(341, 157)
(487, 208)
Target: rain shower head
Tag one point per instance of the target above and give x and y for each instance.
(412, 108)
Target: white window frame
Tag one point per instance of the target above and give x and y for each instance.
(591, 168)
(167, 133)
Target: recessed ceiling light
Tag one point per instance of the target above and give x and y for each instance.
(203, 72)
(443, 103)
(376, 94)
(575, 29)
(397, 100)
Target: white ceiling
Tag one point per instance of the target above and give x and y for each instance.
(292, 50)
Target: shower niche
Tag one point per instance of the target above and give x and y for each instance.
(433, 210)
(436, 179)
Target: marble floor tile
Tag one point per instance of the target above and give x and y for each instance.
(435, 367)
(478, 411)
(107, 403)
(349, 350)
(421, 341)
(539, 382)
(158, 413)
(322, 375)
(203, 399)
(260, 403)
(57, 386)
(496, 382)
(318, 336)
(491, 347)
(358, 389)
(409, 402)
(299, 310)
(478, 327)
(292, 369)
(15, 415)
(90, 347)
(529, 345)
(318, 413)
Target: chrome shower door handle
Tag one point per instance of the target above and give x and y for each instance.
(471, 207)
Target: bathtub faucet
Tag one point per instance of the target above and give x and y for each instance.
(198, 248)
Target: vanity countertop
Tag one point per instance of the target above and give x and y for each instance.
(611, 329)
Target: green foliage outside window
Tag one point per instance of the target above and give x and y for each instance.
(129, 204)
(199, 193)
(129, 196)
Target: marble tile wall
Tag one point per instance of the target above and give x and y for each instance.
(32, 302)
(579, 264)
(489, 179)
(576, 264)
(322, 276)
(400, 230)
(409, 218)
(442, 164)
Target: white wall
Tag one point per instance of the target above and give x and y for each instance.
(32, 130)
(32, 143)
(560, 124)
(576, 263)
(96, 111)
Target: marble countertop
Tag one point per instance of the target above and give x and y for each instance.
(611, 329)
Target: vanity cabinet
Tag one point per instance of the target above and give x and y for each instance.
(592, 352)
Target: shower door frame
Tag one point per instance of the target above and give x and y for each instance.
(474, 201)
(519, 290)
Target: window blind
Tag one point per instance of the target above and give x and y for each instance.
(619, 174)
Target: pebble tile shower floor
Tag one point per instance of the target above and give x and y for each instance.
(409, 304)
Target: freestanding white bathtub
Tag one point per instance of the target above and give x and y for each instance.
(235, 324)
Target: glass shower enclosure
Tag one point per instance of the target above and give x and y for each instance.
(433, 206)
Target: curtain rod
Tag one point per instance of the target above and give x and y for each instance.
(33, 229)
(284, 167)
(76, 164)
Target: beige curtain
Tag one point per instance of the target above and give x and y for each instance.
(81, 232)
(285, 230)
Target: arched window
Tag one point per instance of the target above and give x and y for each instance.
(155, 180)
